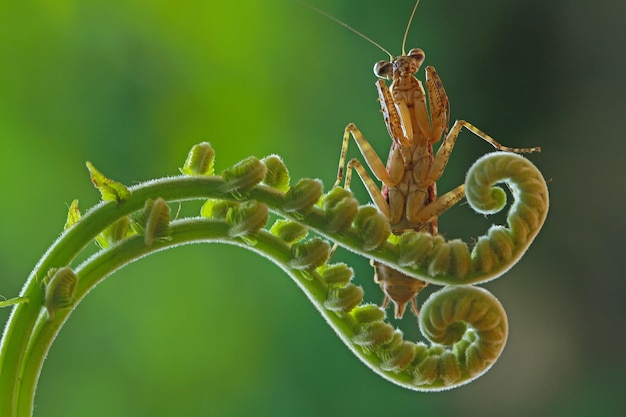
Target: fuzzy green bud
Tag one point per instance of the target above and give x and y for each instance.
(398, 357)
(413, 247)
(200, 160)
(247, 218)
(449, 368)
(338, 274)
(368, 313)
(372, 227)
(309, 254)
(277, 175)
(303, 195)
(60, 287)
(341, 209)
(450, 258)
(244, 175)
(153, 221)
(114, 233)
(373, 334)
(343, 298)
(217, 209)
(288, 231)
(427, 371)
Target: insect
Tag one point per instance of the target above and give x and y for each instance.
(416, 120)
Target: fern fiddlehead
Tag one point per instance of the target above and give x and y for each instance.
(466, 325)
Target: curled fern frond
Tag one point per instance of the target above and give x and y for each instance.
(433, 259)
(465, 326)
(454, 312)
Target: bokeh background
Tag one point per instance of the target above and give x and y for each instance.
(211, 330)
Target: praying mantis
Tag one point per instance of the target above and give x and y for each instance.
(416, 120)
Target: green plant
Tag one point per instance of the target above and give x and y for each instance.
(466, 325)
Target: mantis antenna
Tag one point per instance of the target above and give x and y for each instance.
(367, 38)
(408, 26)
(345, 25)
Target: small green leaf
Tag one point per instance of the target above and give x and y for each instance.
(13, 301)
(109, 189)
(73, 215)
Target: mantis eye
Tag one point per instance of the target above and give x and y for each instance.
(383, 69)
(417, 54)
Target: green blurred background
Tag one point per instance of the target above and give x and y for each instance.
(211, 330)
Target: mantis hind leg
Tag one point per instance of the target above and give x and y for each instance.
(443, 203)
(443, 153)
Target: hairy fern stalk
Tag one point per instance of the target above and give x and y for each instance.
(465, 325)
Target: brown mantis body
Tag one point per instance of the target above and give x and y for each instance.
(408, 196)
